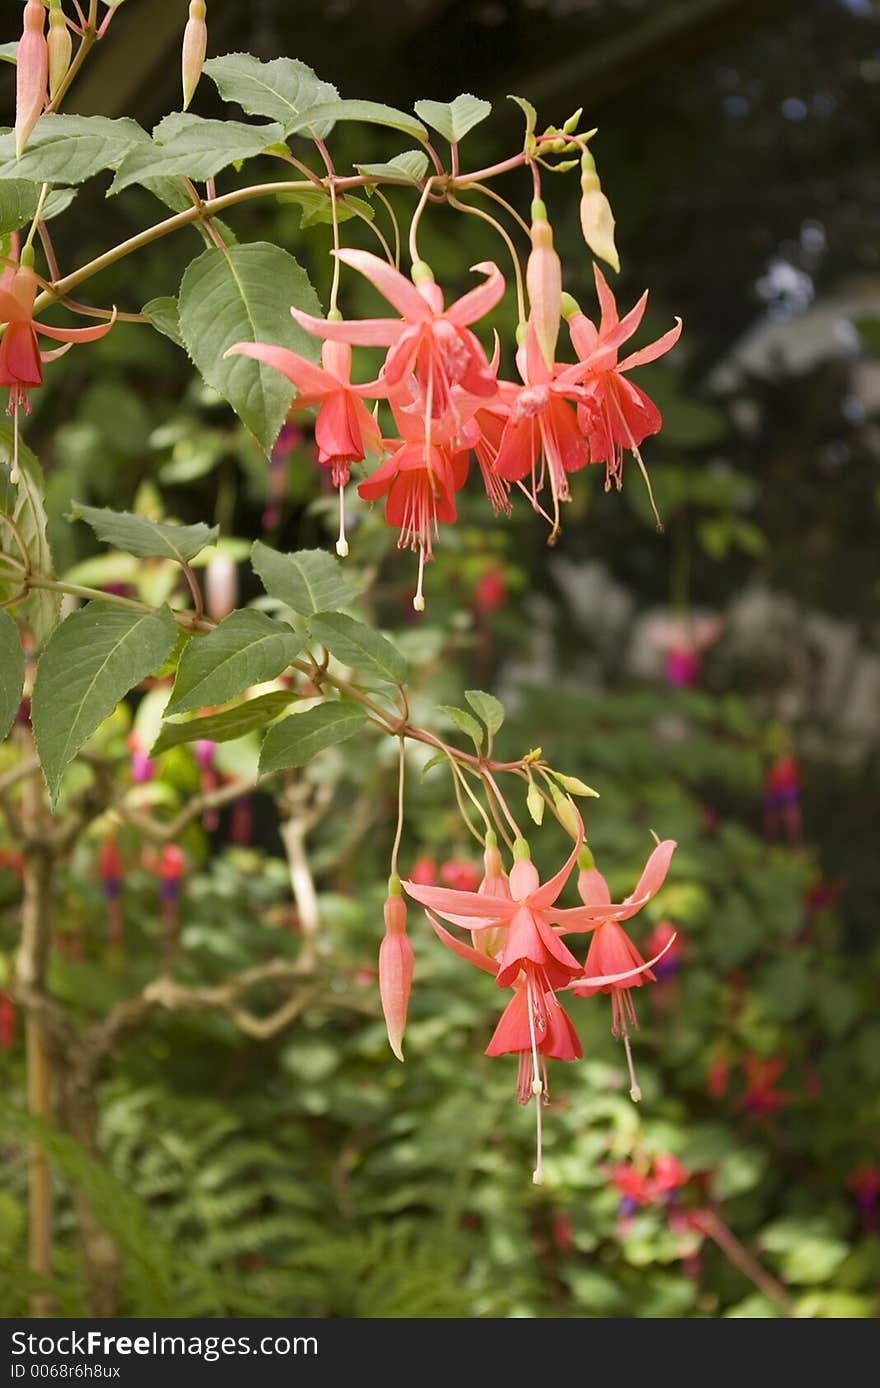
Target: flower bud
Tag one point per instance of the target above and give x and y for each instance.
(31, 74)
(597, 221)
(395, 971)
(59, 45)
(195, 45)
(544, 282)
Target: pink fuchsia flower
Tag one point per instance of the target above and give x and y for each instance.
(541, 427)
(428, 340)
(614, 414)
(143, 769)
(668, 1175)
(611, 950)
(344, 427)
(555, 1038)
(21, 360)
(633, 1186)
(483, 433)
(424, 872)
(761, 1097)
(395, 970)
(195, 45)
(544, 283)
(460, 875)
(491, 589)
(31, 73)
(419, 481)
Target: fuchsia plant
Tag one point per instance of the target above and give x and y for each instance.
(302, 670)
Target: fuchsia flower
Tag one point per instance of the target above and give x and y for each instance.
(761, 1097)
(21, 360)
(31, 73)
(429, 340)
(614, 414)
(460, 874)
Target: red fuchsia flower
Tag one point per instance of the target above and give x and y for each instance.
(491, 590)
(344, 428)
(241, 821)
(31, 73)
(21, 361)
(668, 1176)
(864, 1183)
(782, 807)
(542, 427)
(483, 433)
(419, 481)
(432, 342)
(424, 872)
(529, 1019)
(611, 950)
(7, 1021)
(633, 1185)
(614, 414)
(110, 869)
(460, 875)
(718, 1076)
(142, 768)
(395, 969)
(761, 1097)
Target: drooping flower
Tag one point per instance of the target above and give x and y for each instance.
(541, 427)
(597, 219)
(432, 342)
(59, 47)
(544, 283)
(460, 874)
(21, 360)
(419, 480)
(344, 427)
(615, 415)
(395, 970)
(611, 950)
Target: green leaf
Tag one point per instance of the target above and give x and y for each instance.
(24, 503)
(145, 538)
(164, 315)
(184, 144)
(531, 116)
(357, 645)
(70, 149)
(9, 52)
(409, 167)
(487, 707)
(11, 672)
(232, 723)
(297, 739)
(429, 765)
(317, 206)
(92, 660)
(453, 119)
(244, 294)
(464, 722)
(372, 112)
(308, 581)
(18, 203)
(245, 649)
(284, 90)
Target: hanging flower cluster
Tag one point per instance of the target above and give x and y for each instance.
(450, 407)
(519, 935)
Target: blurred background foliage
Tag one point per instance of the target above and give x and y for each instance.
(677, 673)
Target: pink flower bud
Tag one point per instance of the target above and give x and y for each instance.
(597, 221)
(544, 282)
(221, 586)
(195, 45)
(395, 972)
(60, 46)
(31, 74)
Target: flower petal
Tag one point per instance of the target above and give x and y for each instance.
(362, 332)
(652, 352)
(400, 292)
(652, 878)
(308, 378)
(489, 909)
(480, 301)
(77, 334)
(473, 956)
